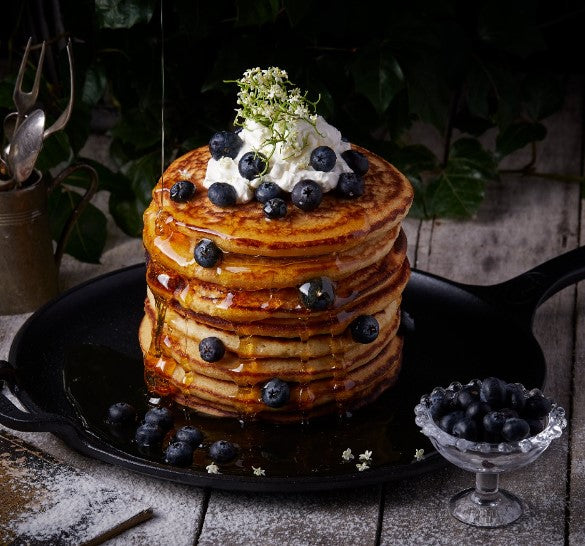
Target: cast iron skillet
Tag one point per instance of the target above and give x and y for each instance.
(79, 353)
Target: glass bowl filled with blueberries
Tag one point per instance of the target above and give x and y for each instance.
(488, 427)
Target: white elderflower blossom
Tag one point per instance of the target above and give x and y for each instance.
(268, 97)
(212, 468)
(347, 455)
(366, 456)
(362, 466)
(419, 454)
(258, 471)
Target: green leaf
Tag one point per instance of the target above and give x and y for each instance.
(143, 174)
(88, 237)
(138, 128)
(94, 85)
(518, 135)
(418, 208)
(377, 76)
(127, 213)
(257, 12)
(458, 190)
(414, 159)
(542, 95)
(123, 13)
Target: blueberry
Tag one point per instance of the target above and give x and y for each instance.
(267, 190)
(493, 392)
(207, 253)
(159, 416)
(121, 413)
(323, 158)
(222, 451)
(149, 435)
(307, 195)
(182, 191)
(465, 428)
(211, 349)
(515, 429)
(275, 208)
(275, 393)
(493, 422)
(179, 454)
(515, 397)
(364, 329)
(225, 144)
(252, 165)
(448, 421)
(350, 185)
(356, 161)
(189, 434)
(477, 410)
(317, 294)
(466, 396)
(537, 406)
(222, 194)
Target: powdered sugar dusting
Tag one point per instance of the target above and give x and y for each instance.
(44, 500)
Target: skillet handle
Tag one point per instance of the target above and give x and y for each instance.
(523, 294)
(37, 421)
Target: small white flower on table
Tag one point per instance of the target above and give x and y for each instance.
(347, 455)
(362, 466)
(212, 468)
(366, 456)
(258, 471)
(184, 173)
(419, 454)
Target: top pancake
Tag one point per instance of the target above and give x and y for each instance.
(338, 223)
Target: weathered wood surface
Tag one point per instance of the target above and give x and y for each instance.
(523, 222)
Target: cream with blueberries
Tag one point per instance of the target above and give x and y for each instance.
(281, 145)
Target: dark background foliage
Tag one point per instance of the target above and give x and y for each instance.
(462, 68)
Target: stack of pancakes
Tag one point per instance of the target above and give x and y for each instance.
(250, 298)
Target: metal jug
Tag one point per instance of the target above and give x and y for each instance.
(29, 267)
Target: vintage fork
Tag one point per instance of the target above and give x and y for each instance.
(25, 101)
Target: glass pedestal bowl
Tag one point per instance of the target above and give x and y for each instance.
(486, 505)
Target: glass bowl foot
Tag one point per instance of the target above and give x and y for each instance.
(500, 509)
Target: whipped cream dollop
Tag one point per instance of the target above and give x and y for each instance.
(289, 162)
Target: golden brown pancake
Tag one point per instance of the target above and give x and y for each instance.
(250, 298)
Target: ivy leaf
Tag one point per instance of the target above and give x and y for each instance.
(419, 205)
(123, 13)
(518, 135)
(414, 159)
(127, 213)
(143, 174)
(94, 85)
(138, 128)
(458, 190)
(88, 237)
(377, 76)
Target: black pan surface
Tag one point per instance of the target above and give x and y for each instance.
(79, 354)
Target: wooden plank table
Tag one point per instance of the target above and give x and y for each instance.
(522, 222)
